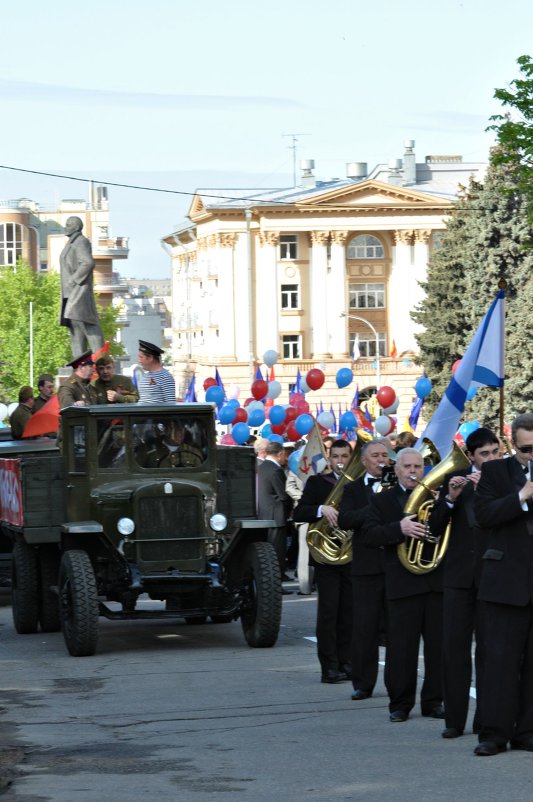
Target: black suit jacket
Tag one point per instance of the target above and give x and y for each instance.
(382, 528)
(507, 572)
(315, 493)
(273, 502)
(461, 563)
(353, 511)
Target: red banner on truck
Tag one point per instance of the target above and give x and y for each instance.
(10, 492)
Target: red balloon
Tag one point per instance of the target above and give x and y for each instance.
(241, 416)
(278, 428)
(386, 396)
(315, 378)
(456, 365)
(302, 408)
(259, 389)
(291, 413)
(292, 434)
(295, 397)
(210, 382)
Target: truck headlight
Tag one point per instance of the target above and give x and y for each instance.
(218, 522)
(125, 526)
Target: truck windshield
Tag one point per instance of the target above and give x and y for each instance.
(175, 441)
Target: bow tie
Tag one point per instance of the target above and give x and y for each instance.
(371, 481)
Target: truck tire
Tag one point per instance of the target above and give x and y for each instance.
(48, 601)
(78, 603)
(24, 588)
(261, 616)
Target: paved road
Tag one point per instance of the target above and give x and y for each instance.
(176, 713)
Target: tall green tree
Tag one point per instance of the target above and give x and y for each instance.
(20, 286)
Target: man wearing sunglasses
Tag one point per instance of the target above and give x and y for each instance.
(504, 510)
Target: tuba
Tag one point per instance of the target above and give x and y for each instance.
(423, 556)
(329, 545)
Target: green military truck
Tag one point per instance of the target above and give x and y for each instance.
(139, 500)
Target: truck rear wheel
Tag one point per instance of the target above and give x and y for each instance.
(261, 616)
(48, 601)
(78, 603)
(24, 588)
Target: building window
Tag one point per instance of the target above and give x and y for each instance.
(292, 346)
(11, 238)
(289, 296)
(365, 246)
(367, 344)
(367, 296)
(288, 246)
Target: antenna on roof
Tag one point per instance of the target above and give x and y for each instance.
(293, 147)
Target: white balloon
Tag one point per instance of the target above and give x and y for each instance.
(274, 389)
(3, 412)
(393, 407)
(255, 405)
(234, 391)
(304, 387)
(382, 425)
(270, 358)
(326, 419)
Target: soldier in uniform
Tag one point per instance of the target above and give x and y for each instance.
(110, 387)
(77, 390)
(171, 450)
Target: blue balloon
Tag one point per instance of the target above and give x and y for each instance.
(240, 433)
(466, 428)
(227, 414)
(347, 421)
(277, 414)
(266, 431)
(344, 377)
(471, 393)
(294, 460)
(233, 403)
(423, 387)
(303, 423)
(275, 438)
(214, 394)
(256, 417)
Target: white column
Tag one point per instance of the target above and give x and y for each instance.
(419, 273)
(399, 289)
(267, 294)
(318, 294)
(338, 347)
(241, 300)
(223, 304)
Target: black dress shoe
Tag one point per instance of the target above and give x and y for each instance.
(398, 715)
(434, 712)
(331, 676)
(489, 748)
(358, 695)
(526, 745)
(451, 732)
(347, 668)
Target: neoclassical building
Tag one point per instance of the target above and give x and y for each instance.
(309, 271)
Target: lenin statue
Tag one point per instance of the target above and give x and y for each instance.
(78, 307)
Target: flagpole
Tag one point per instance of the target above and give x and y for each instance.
(502, 285)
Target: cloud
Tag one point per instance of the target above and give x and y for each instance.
(451, 121)
(26, 91)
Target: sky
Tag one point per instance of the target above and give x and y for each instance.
(178, 95)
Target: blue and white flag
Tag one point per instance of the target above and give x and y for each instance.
(481, 366)
(219, 382)
(190, 395)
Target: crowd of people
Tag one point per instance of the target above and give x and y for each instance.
(480, 595)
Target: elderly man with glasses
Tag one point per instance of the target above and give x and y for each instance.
(504, 509)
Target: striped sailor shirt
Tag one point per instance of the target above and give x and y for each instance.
(156, 387)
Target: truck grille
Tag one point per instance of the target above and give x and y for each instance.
(175, 518)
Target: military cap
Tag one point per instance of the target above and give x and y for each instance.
(150, 348)
(104, 359)
(83, 359)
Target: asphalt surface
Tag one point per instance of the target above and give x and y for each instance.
(177, 713)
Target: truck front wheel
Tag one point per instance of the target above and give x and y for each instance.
(78, 603)
(261, 614)
(24, 588)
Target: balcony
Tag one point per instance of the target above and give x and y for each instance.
(113, 247)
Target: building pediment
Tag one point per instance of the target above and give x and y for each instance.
(197, 210)
(373, 194)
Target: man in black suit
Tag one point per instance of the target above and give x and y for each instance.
(272, 500)
(333, 582)
(368, 577)
(414, 601)
(455, 507)
(504, 508)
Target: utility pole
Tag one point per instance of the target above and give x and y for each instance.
(293, 147)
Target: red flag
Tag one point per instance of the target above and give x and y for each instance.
(393, 350)
(45, 420)
(269, 402)
(103, 350)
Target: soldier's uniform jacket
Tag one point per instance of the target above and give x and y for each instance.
(76, 389)
(160, 456)
(123, 385)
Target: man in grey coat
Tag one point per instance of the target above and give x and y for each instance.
(78, 307)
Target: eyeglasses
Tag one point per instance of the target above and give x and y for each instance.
(524, 449)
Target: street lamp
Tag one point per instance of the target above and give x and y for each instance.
(376, 335)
